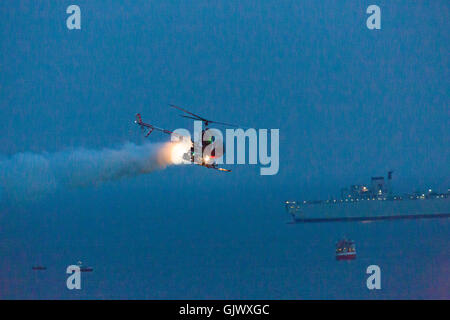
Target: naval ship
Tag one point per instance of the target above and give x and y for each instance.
(373, 202)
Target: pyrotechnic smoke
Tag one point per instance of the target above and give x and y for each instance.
(29, 175)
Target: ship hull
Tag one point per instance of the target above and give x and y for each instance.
(364, 219)
(350, 256)
(372, 210)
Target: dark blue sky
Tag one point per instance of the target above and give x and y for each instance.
(350, 103)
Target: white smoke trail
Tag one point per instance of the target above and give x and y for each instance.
(29, 175)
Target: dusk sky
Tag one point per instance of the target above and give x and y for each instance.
(350, 103)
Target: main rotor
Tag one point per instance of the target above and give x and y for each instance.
(197, 117)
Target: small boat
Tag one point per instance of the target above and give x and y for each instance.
(38, 268)
(345, 250)
(84, 268)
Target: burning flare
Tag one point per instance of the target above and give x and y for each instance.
(180, 151)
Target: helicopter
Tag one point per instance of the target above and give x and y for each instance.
(191, 156)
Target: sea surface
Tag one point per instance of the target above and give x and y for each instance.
(211, 248)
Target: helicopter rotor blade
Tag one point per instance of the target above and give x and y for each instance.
(196, 117)
(188, 112)
(189, 117)
(211, 121)
(224, 123)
